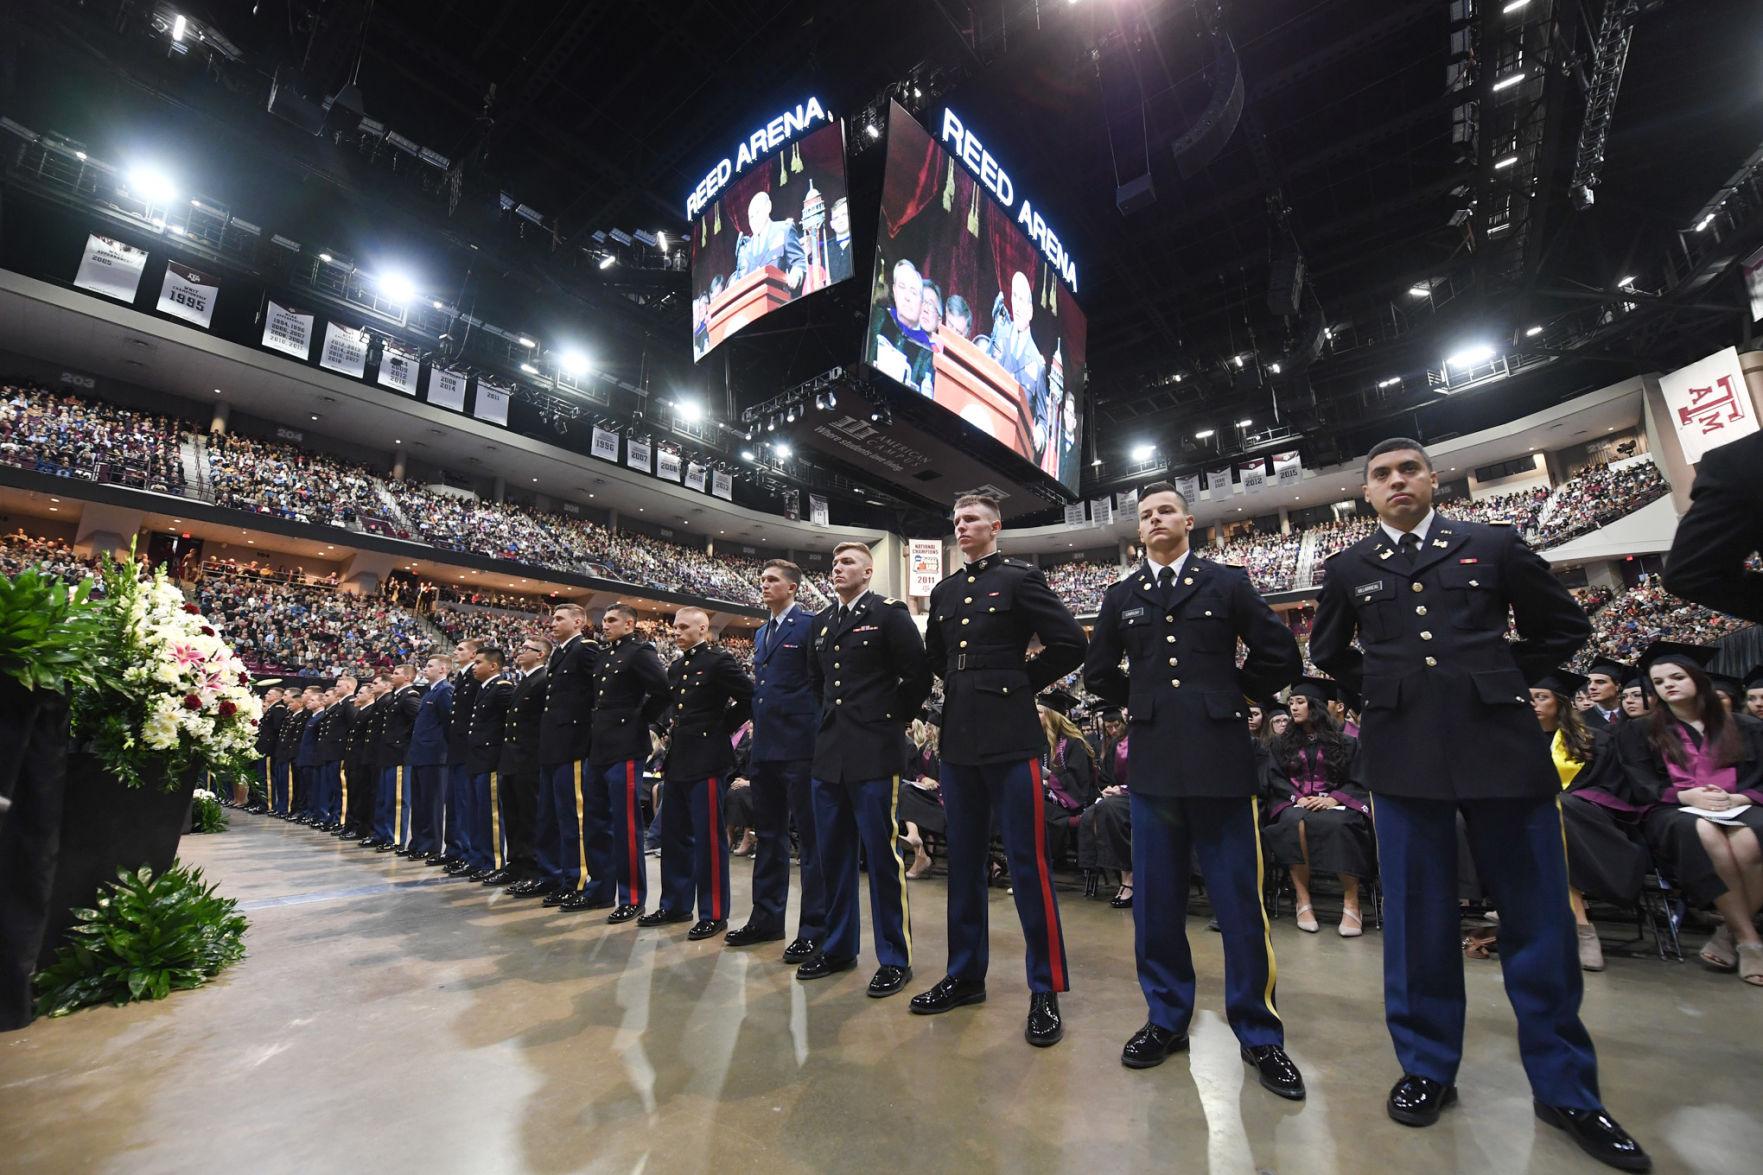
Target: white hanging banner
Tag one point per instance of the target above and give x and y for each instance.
(925, 564)
(492, 402)
(1126, 503)
(288, 329)
(399, 367)
(722, 485)
(817, 511)
(1074, 514)
(695, 477)
(345, 350)
(111, 268)
(1753, 267)
(636, 454)
(1218, 483)
(188, 294)
(1189, 488)
(667, 464)
(1254, 475)
(1102, 511)
(1288, 468)
(1708, 403)
(447, 388)
(605, 444)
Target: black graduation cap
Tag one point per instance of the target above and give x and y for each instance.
(1733, 688)
(931, 714)
(1609, 667)
(1057, 699)
(1318, 689)
(1674, 653)
(1562, 681)
(1274, 706)
(1112, 714)
(1753, 678)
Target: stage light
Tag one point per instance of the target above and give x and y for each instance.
(1244, 423)
(1510, 80)
(1471, 355)
(771, 424)
(870, 130)
(1178, 377)
(782, 448)
(1203, 434)
(608, 261)
(1391, 382)
(573, 363)
(397, 286)
(1506, 162)
(1419, 291)
(325, 257)
(1705, 222)
(1142, 452)
(1627, 283)
(80, 155)
(1512, 7)
(177, 28)
(529, 369)
(747, 455)
(1237, 359)
(524, 341)
(690, 410)
(437, 304)
(1095, 461)
(152, 184)
(1533, 332)
(1274, 368)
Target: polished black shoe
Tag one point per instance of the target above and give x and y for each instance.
(404, 851)
(534, 887)
(1045, 1026)
(751, 934)
(471, 874)
(820, 966)
(949, 993)
(887, 981)
(1598, 1135)
(436, 859)
(800, 951)
(1150, 1046)
(706, 928)
(558, 896)
(499, 877)
(1279, 1075)
(1416, 1101)
(663, 918)
(457, 867)
(624, 913)
(579, 901)
(387, 846)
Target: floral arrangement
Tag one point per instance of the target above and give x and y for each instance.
(206, 814)
(170, 693)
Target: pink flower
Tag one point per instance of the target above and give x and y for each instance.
(192, 702)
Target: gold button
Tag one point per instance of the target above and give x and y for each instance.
(1417, 588)
(838, 701)
(1170, 638)
(1169, 619)
(970, 579)
(1426, 636)
(837, 684)
(1172, 661)
(967, 600)
(1431, 662)
(964, 644)
(964, 620)
(1420, 611)
(1006, 689)
(1175, 683)
(991, 609)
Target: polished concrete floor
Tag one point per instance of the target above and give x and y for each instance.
(387, 1020)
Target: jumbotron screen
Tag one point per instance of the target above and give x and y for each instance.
(778, 227)
(969, 306)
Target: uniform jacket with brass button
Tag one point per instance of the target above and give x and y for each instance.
(1447, 711)
(630, 693)
(567, 728)
(1182, 688)
(785, 713)
(269, 728)
(486, 726)
(711, 696)
(871, 676)
(402, 706)
(361, 748)
(520, 736)
(333, 730)
(465, 687)
(981, 620)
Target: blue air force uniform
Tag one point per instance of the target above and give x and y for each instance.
(571, 847)
(630, 694)
(461, 809)
(1195, 774)
(711, 696)
(426, 796)
(1447, 726)
(981, 620)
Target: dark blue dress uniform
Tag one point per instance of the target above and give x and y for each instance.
(518, 776)
(869, 671)
(1720, 532)
(402, 704)
(360, 780)
(778, 768)
(571, 848)
(1447, 726)
(711, 696)
(630, 695)
(981, 621)
(282, 795)
(458, 825)
(486, 728)
(307, 764)
(333, 737)
(1195, 776)
(425, 798)
(269, 728)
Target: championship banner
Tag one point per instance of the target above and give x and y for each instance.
(817, 511)
(636, 454)
(188, 294)
(1102, 511)
(605, 444)
(345, 351)
(1708, 403)
(1126, 503)
(1254, 475)
(447, 388)
(399, 367)
(1189, 488)
(111, 268)
(288, 329)
(1074, 514)
(1218, 483)
(723, 486)
(667, 464)
(1288, 468)
(492, 402)
(924, 562)
(695, 477)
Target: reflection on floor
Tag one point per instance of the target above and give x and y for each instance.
(393, 1021)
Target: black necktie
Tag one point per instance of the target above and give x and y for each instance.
(1166, 582)
(1410, 545)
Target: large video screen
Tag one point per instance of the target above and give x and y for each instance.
(778, 229)
(970, 310)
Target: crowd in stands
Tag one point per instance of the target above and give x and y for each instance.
(1270, 559)
(66, 436)
(1592, 598)
(268, 478)
(1636, 618)
(297, 628)
(53, 556)
(1597, 496)
(1082, 584)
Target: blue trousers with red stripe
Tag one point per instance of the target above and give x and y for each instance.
(846, 814)
(622, 784)
(970, 796)
(1168, 834)
(694, 847)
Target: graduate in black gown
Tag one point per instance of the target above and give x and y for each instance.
(921, 800)
(1068, 771)
(1104, 834)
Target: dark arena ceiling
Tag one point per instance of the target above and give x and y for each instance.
(1423, 164)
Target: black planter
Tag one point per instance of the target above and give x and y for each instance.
(33, 756)
(105, 827)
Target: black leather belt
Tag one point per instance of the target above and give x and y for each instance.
(962, 661)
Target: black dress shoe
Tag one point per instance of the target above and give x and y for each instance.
(499, 877)
(579, 901)
(1279, 1075)
(455, 868)
(534, 888)
(1416, 1101)
(1150, 1046)
(624, 913)
(386, 847)
(436, 859)
(820, 966)
(949, 993)
(1045, 1027)
(557, 897)
(1598, 1135)
(752, 933)
(706, 927)
(887, 981)
(663, 917)
(470, 874)
(800, 951)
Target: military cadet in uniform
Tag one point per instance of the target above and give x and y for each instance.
(1447, 727)
(364, 812)
(333, 735)
(287, 752)
(1721, 530)
(869, 671)
(1604, 687)
(518, 769)
(1195, 777)
(710, 696)
(457, 850)
(572, 848)
(778, 768)
(485, 729)
(402, 703)
(269, 728)
(306, 762)
(425, 798)
(976, 638)
(356, 770)
(630, 694)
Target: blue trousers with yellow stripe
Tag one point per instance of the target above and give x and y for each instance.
(1014, 792)
(582, 818)
(694, 847)
(846, 814)
(281, 786)
(622, 784)
(1521, 856)
(486, 846)
(1223, 834)
(389, 804)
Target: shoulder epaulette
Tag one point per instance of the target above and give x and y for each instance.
(1022, 563)
(889, 600)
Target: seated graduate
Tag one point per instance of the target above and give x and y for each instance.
(1275, 719)
(1104, 834)
(1703, 769)
(921, 800)
(1636, 697)
(1318, 816)
(1606, 856)
(1068, 771)
(737, 812)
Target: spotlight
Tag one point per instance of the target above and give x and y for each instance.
(1244, 423)
(573, 362)
(526, 342)
(1507, 82)
(529, 369)
(1391, 382)
(661, 241)
(1702, 225)
(870, 130)
(1471, 355)
(1508, 161)
(747, 454)
(1203, 434)
(152, 185)
(1274, 368)
(325, 257)
(771, 424)
(178, 25)
(1237, 359)
(608, 261)
(1627, 283)
(832, 401)
(1419, 290)
(783, 450)
(1533, 332)
(690, 410)
(437, 304)
(397, 286)
(1142, 453)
